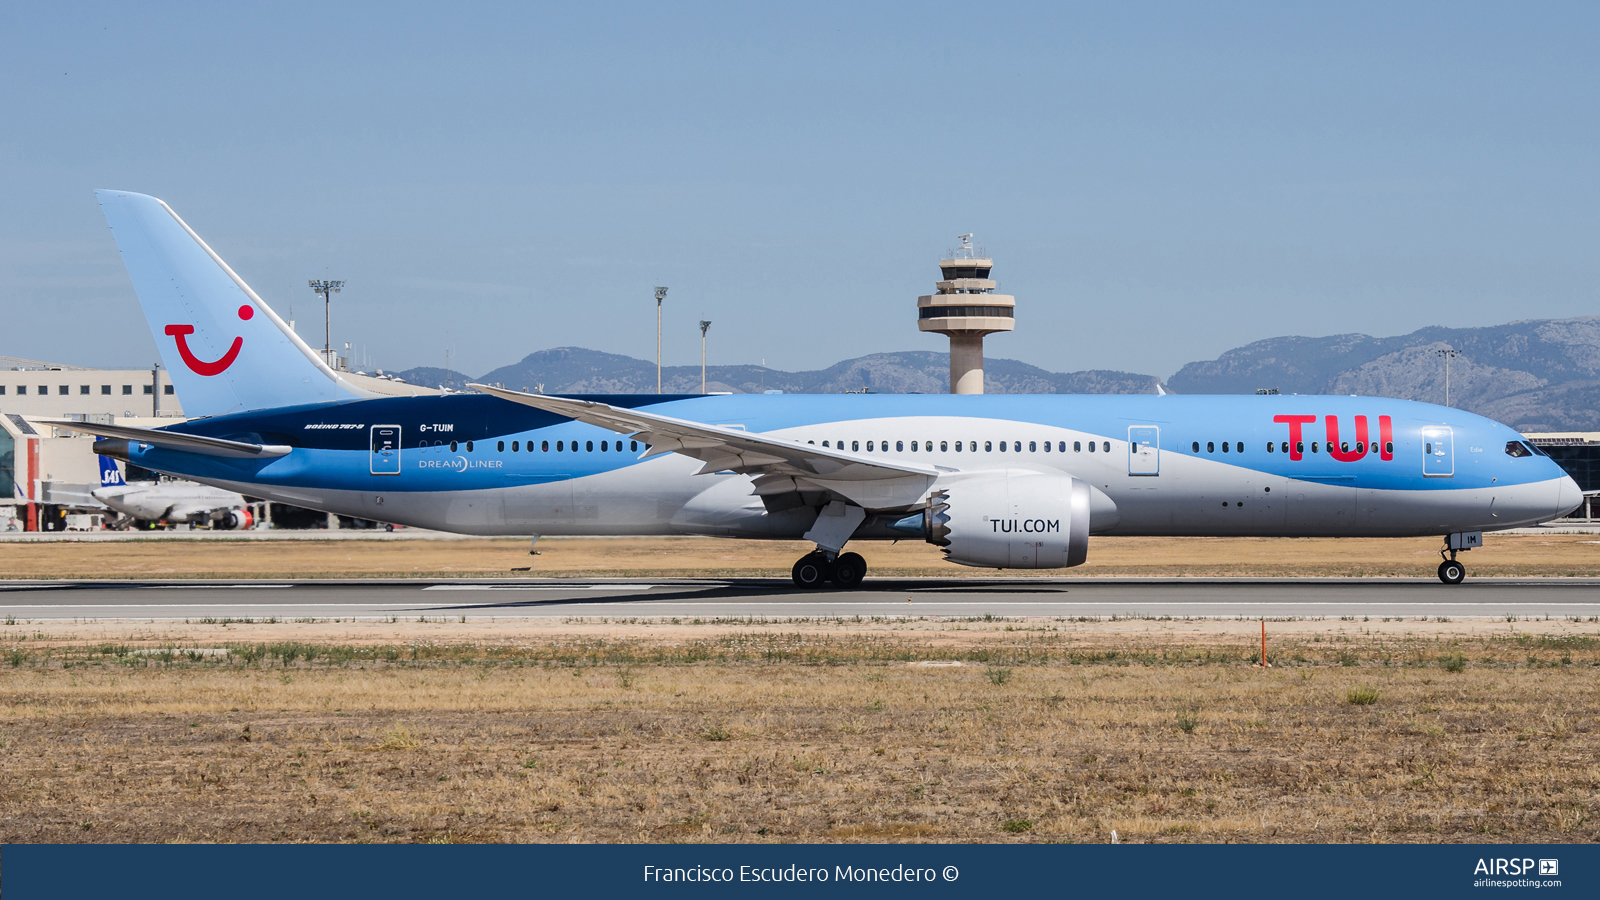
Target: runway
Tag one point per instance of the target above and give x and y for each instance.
(773, 598)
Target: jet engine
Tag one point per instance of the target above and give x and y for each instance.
(237, 519)
(1020, 520)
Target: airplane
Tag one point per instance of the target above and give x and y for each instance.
(995, 481)
(156, 501)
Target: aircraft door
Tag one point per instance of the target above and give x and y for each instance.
(385, 457)
(1144, 450)
(1438, 451)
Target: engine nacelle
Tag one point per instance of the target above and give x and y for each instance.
(1020, 520)
(238, 519)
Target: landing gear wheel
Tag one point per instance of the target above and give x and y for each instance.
(810, 571)
(848, 570)
(1452, 572)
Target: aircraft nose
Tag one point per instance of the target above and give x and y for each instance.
(1569, 497)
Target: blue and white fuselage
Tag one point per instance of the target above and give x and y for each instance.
(482, 465)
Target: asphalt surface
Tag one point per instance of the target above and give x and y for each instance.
(771, 598)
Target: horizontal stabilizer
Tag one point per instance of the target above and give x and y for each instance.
(173, 440)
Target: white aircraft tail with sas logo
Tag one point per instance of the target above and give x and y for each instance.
(226, 350)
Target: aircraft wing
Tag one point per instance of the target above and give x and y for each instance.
(780, 465)
(173, 440)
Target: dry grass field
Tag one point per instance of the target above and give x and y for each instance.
(903, 730)
(1519, 555)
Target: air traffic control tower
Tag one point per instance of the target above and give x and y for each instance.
(966, 308)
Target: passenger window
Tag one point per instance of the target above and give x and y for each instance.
(1002, 446)
(869, 446)
(1239, 447)
(500, 446)
(588, 446)
(604, 446)
(1224, 446)
(958, 446)
(1211, 446)
(1106, 446)
(899, 446)
(1374, 446)
(1427, 449)
(1344, 446)
(619, 446)
(1047, 446)
(1313, 446)
(973, 446)
(544, 446)
(928, 446)
(469, 446)
(855, 445)
(515, 446)
(574, 446)
(913, 446)
(988, 446)
(1269, 446)
(1284, 447)
(1091, 447)
(1062, 447)
(1300, 447)
(634, 446)
(944, 446)
(824, 443)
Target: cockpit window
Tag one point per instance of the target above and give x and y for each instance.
(1537, 450)
(1517, 449)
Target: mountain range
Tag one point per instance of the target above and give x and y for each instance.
(1534, 375)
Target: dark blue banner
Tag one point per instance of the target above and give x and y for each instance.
(32, 872)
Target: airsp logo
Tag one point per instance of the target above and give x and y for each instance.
(1515, 867)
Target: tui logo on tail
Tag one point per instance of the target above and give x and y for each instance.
(199, 366)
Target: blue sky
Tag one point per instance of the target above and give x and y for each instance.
(1157, 183)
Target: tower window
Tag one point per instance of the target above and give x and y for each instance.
(105, 390)
(127, 389)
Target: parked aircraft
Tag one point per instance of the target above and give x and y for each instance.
(1001, 481)
(169, 501)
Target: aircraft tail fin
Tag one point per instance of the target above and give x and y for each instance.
(226, 350)
(110, 475)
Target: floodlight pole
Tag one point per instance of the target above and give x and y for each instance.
(1448, 354)
(327, 288)
(661, 294)
(705, 325)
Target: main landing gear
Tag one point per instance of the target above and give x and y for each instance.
(845, 570)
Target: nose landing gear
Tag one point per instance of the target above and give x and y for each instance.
(845, 570)
(1452, 572)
